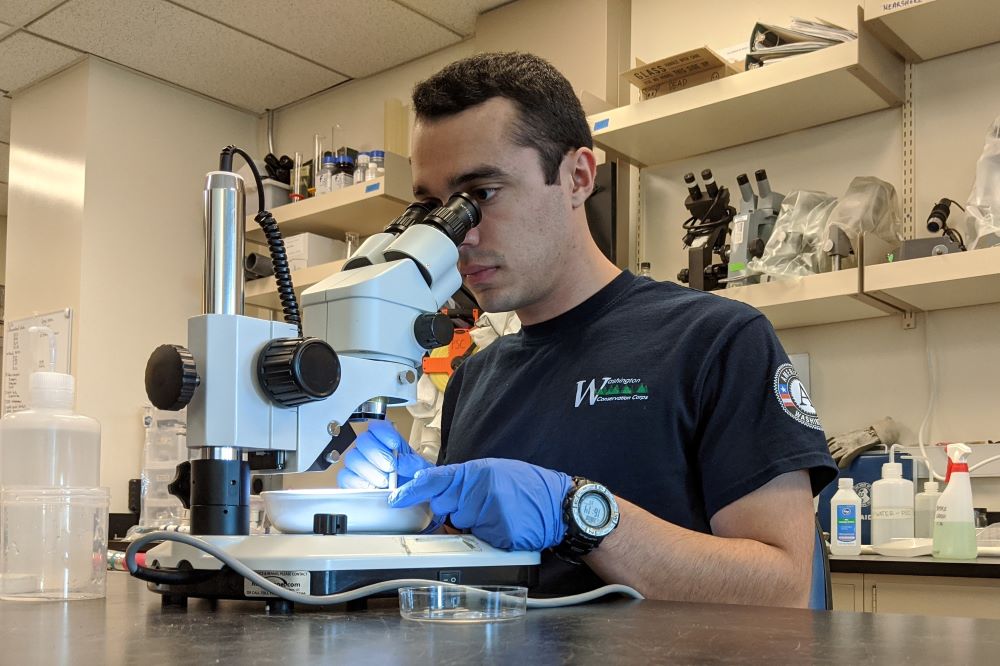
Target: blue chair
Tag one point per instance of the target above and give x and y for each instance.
(820, 592)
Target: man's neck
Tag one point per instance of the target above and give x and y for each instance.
(578, 282)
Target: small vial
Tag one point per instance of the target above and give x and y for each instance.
(644, 270)
(378, 157)
(372, 171)
(324, 180)
(361, 172)
(343, 176)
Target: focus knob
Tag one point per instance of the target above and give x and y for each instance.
(294, 371)
(171, 377)
(329, 523)
(433, 330)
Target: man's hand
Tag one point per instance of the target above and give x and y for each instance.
(377, 452)
(508, 504)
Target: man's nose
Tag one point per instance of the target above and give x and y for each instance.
(472, 237)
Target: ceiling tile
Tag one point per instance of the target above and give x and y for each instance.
(25, 58)
(179, 46)
(19, 12)
(4, 162)
(459, 15)
(355, 37)
(4, 28)
(5, 119)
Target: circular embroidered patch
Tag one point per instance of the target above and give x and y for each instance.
(793, 398)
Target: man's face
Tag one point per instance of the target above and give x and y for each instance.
(512, 259)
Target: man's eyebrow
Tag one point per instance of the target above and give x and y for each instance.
(483, 172)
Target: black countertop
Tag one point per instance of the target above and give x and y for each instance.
(129, 627)
(983, 567)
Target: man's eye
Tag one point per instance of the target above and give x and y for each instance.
(484, 194)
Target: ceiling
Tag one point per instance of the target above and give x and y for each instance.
(250, 54)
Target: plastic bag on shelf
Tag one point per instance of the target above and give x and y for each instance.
(794, 248)
(982, 219)
(869, 206)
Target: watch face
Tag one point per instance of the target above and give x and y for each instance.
(594, 510)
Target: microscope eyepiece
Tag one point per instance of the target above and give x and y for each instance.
(692, 186)
(456, 217)
(413, 214)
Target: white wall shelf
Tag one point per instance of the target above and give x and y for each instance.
(824, 298)
(365, 208)
(263, 292)
(832, 84)
(928, 29)
(937, 283)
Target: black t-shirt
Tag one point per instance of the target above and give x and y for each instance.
(679, 401)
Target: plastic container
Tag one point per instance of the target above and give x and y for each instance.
(924, 506)
(378, 157)
(463, 604)
(645, 270)
(324, 179)
(54, 543)
(845, 519)
(892, 505)
(343, 176)
(367, 511)
(361, 171)
(954, 521)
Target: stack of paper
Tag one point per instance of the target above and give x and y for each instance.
(769, 43)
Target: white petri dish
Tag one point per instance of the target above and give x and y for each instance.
(462, 603)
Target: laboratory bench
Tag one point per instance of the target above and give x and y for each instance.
(130, 627)
(877, 584)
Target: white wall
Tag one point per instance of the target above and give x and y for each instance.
(861, 371)
(3, 246)
(126, 251)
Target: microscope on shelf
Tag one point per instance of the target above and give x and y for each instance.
(752, 227)
(278, 397)
(706, 232)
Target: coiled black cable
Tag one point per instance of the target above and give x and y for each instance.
(275, 243)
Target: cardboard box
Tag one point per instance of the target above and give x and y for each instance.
(677, 72)
(306, 250)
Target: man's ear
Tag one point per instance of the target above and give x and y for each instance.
(583, 172)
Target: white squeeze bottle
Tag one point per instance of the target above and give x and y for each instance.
(924, 508)
(954, 521)
(845, 520)
(48, 445)
(892, 504)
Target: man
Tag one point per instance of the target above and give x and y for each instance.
(677, 401)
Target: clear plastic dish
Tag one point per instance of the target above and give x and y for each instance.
(461, 603)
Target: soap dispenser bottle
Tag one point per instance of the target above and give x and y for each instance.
(954, 521)
(892, 504)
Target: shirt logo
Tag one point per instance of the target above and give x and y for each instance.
(618, 389)
(794, 399)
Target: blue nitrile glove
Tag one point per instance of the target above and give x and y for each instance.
(509, 504)
(375, 453)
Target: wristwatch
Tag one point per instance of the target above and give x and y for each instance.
(591, 514)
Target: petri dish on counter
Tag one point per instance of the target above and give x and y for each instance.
(463, 603)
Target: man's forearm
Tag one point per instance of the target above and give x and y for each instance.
(664, 561)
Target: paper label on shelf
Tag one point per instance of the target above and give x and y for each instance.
(20, 358)
(296, 581)
(371, 188)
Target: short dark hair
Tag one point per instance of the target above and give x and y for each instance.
(552, 120)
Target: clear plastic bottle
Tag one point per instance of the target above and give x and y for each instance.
(954, 520)
(845, 519)
(892, 505)
(378, 157)
(53, 513)
(361, 172)
(325, 178)
(924, 506)
(645, 270)
(344, 174)
(372, 171)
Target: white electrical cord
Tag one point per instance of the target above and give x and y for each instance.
(351, 595)
(924, 425)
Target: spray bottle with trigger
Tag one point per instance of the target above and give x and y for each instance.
(954, 520)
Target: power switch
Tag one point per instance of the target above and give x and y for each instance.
(451, 577)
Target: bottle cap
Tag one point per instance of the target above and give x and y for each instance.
(930, 486)
(845, 482)
(892, 471)
(363, 158)
(378, 153)
(644, 265)
(328, 158)
(53, 390)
